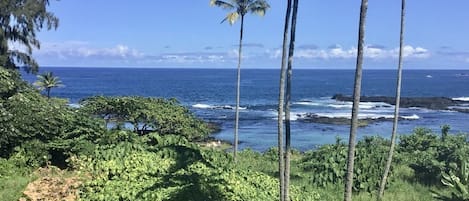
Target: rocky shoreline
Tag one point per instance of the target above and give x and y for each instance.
(433, 103)
(362, 122)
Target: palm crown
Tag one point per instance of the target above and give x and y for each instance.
(241, 7)
(47, 81)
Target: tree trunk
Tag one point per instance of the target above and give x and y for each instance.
(288, 101)
(356, 102)
(238, 83)
(48, 92)
(396, 109)
(281, 103)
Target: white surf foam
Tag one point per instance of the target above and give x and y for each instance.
(309, 103)
(461, 99)
(224, 107)
(362, 105)
(411, 117)
(360, 116)
(202, 106)
(293, 115)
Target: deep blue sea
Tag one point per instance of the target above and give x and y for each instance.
(210, 94)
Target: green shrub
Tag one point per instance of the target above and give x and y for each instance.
(327, 165)
(429, 155)
(164, 116)
(171, 168)
(458, 184)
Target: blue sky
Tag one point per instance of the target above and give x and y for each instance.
(188, 33)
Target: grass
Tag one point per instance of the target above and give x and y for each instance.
(11, 187)
(402, 188)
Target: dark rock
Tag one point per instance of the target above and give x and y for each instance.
(311, 117)
(434, 103)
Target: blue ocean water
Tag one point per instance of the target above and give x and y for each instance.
(210, 94)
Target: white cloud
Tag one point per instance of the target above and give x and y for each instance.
(371, 51)
(83, 52)
(79, 49)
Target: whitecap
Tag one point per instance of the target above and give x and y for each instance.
(461, 99)
(229, 107)
(411, 117)
(309, 103)
(224, 107)
(293, 116)
(360, 116)
(362, 105)
(202, 106)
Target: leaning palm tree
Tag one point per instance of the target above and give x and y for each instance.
(47, 81)
(356, 102)
(281, 103)
(396, 109)
(240, 8)
(288, 101)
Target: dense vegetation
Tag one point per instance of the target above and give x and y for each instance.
(165, 164)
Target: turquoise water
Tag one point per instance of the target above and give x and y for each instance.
(210, 94)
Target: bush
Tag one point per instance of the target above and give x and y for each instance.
(429, 155)
(328, 163)
(164, 116)
(171, 168)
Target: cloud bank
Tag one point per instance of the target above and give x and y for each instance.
(79, 53)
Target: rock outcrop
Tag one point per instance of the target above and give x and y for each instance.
(434, 103)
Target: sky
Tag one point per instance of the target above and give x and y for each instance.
(188, 34)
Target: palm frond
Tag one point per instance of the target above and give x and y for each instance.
(231, 18)
(222, 4)
(259, 7)
(47, 80)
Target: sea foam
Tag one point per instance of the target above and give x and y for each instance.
(221, 107)
(461, 99)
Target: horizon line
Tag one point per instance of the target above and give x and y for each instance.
(250, 68)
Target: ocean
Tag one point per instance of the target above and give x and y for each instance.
(210, 94)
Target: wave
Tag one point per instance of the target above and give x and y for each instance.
(461, 99)
(202, 106)
(360, 116)
(362, 105)
(218, 107)
(293, 115)
(309, 103)
(410, 117)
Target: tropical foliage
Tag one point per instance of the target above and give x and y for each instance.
(327, 164)
(47, 81)
(171, 168)
(19, 22)
(164, 116)
(458, 183)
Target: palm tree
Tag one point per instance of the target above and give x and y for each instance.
(356, 102)
(47, 81)
(241, 8)
(396, 109)
(288, 100)
(281, 103)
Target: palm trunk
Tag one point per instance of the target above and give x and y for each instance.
(238, 83)
(48, 92)
(356, 102)
(281, 103)
(288, 101)
(396, 109)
